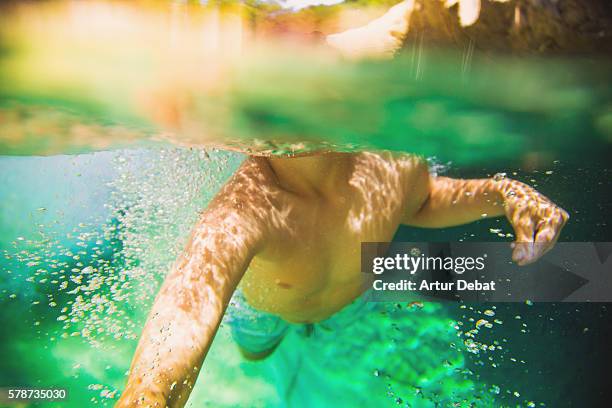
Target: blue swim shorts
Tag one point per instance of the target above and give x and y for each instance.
(256, 331)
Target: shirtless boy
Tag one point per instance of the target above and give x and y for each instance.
(290, 228)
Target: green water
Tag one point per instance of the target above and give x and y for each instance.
(425, 101)
(86, 239)
(110, 225)
(78, 279)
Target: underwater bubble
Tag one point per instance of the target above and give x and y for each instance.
(481, 322)
(489, 313)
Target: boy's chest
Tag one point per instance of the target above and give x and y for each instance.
(307, 280)
(317, 265)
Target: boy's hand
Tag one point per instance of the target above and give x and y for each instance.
(380, 38)
(536, 220)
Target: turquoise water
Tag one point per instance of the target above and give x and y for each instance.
(425, 101)
(83, 259)
(87, 239)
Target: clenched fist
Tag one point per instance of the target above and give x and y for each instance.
(536, 220)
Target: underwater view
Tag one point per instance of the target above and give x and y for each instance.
(188, 192)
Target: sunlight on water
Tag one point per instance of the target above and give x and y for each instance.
(90, 286)
(229, 88)
(104, 273)
(86, 240)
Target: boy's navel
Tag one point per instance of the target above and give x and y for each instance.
(283, 285)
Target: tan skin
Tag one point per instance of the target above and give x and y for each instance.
(290, 229)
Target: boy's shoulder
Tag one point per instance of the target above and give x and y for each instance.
(392, 162)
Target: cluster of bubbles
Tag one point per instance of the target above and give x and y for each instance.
(100, 277)
(476, 331)
(103, 272)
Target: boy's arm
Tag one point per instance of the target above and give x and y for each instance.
(534, 217)
(380, 38)
(189, 307)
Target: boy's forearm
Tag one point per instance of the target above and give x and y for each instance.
(186, 315)
(454, 202)
(168, 359)
(174, 342)
(536, 221)
(179, 331)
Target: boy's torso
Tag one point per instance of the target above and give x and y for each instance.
(310, 267)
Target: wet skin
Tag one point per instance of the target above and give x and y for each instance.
(290, 229)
